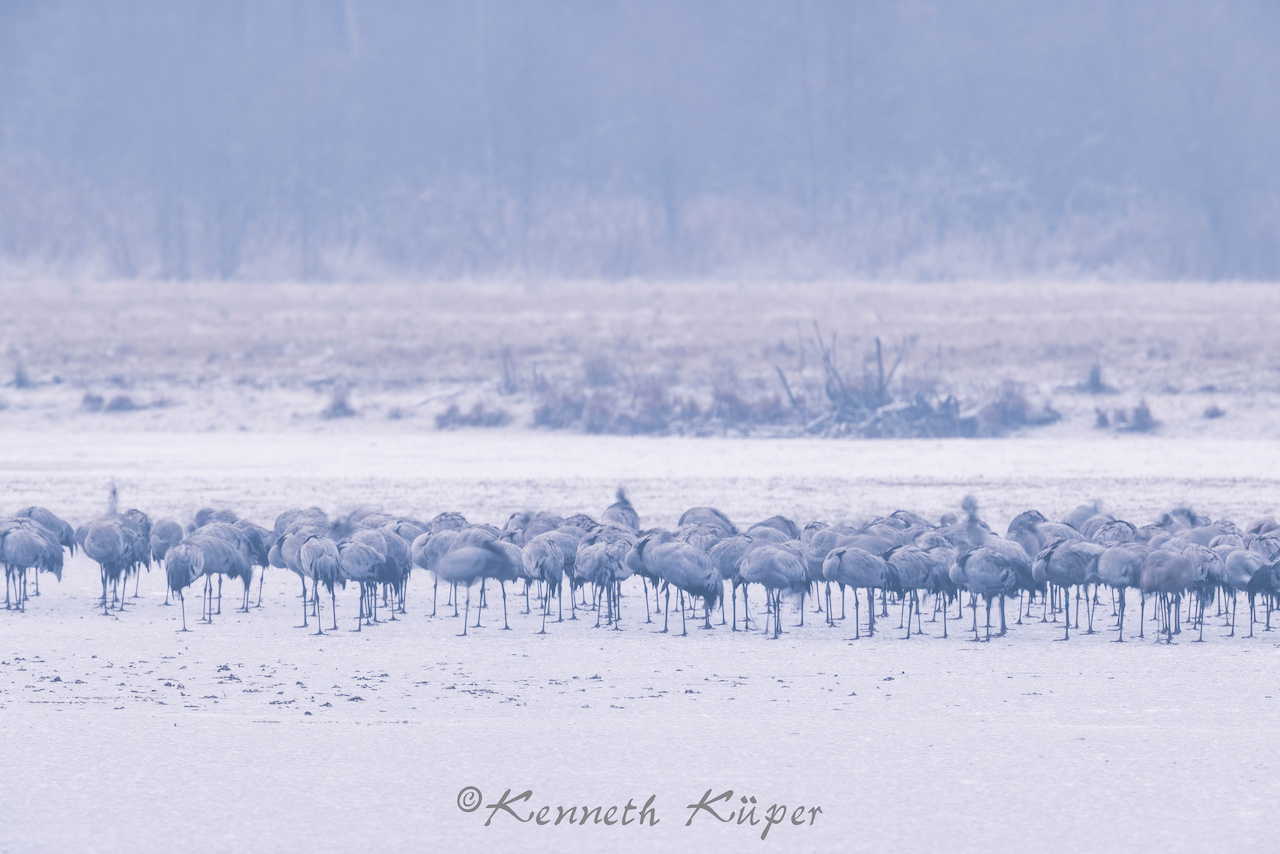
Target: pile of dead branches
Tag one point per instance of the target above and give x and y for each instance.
(865, 406)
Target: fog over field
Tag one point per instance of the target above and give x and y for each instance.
(343, 139)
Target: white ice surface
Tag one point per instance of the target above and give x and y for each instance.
(1020, 744)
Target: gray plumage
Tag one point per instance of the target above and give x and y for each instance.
(781, 524)
(707, 516)
(779, 568)
(621, 513)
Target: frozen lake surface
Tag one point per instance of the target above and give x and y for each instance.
(123, 735)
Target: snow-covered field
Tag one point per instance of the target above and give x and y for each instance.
(123, 735)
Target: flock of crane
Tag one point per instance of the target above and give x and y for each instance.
(902, 558)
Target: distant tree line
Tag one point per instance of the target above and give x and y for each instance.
(320, 139)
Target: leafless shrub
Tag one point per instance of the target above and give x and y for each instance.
(559, 409)
(733, 407)
(478, 416)
(599, 413)
(649, 410)
(339, 405)
(867, 406)
(1139, 420)
(601, 370)
(1011, 410)
(1143, 422)
(510, 383)
(873, 401)
(20, 376)
(1093, 384)
(121, 403)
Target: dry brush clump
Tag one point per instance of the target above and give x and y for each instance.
(119, 403)
(817, 395)
(339, 405)
(1136, 420)
(869, 404)
(479, 415)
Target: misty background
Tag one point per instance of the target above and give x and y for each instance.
(321, 139)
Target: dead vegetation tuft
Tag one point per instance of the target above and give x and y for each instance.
(478, 416)
(339, 405)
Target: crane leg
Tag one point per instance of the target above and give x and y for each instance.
(1120, 598)
(183, 602)
(466, 615)
(315, 600)
(304, 605)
